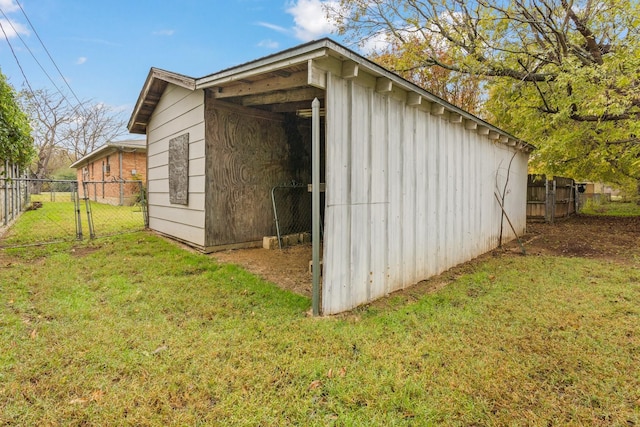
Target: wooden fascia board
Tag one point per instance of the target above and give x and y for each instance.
(266, 65)
(365, 65)
(295, 80)
(283, 96)
(145, 103)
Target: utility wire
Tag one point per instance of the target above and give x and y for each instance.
(50, 57)
(26, 80)
(32, 55)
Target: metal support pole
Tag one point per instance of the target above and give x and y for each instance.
(315, 203)
(92, 234)
(275, 215)
(14, 192)
(78, 216)
(121, 179)
(6, 192)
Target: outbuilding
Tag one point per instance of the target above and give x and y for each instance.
(411, 185)
(105, 173)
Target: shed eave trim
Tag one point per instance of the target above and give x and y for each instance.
(138, 121)
(259, 67)
(342, 53)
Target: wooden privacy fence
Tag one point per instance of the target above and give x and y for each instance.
(548, 200)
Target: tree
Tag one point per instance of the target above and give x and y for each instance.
(405, 58)
(62, 129)
(565, 75)
(16, 144)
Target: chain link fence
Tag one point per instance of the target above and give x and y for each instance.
(292, 213)
(46, 211)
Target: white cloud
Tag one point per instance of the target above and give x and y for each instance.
(13, 28)
(164, 33)
(274, 27)
(310, 18)
(377, 43)
(81, 60)
(9, 6)
(269, 44)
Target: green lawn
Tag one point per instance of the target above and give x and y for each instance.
(611, 208)
(56, 220)
(133, 330)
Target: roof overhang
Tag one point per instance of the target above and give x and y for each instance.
(108, 149)
(155, 84)
(295, 76)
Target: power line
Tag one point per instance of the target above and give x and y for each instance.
(49, 55)
(26, 80)
(32, 55)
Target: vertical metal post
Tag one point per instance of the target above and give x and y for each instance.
(78, 216)
(87, 203)
(121, 179)
(315, 203)
(6, 192)
(275, 215)
(14, 191)
(27, 190)
(143, 204)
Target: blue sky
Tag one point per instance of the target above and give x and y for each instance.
(104, 48)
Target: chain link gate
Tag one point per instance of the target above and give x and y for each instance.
(48, 211)
(291, 211)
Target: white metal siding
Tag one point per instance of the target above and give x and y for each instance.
(408, 195)
(179, 111)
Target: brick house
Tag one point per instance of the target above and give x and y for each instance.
(109, 173)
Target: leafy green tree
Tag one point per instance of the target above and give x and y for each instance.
(16, 143)
(562, 74)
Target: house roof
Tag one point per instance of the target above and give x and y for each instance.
(298, 74)
(110, 148)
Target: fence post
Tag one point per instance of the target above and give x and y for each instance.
(143, 204)
(87, 203)
(547, 216)
(78, 216)
(14, 192)
(6, 192)
(553, 201)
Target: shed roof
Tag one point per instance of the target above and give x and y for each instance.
(109, 148)
(294, 75)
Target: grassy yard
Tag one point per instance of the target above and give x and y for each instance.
(133, 330)
(56, 220)
(611, 208)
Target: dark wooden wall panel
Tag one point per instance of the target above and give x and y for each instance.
(248, 152)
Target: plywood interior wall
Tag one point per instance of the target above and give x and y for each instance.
(249, 151)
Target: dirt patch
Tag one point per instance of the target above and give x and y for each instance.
(612, 238)
(80, 251)
(287, 267)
